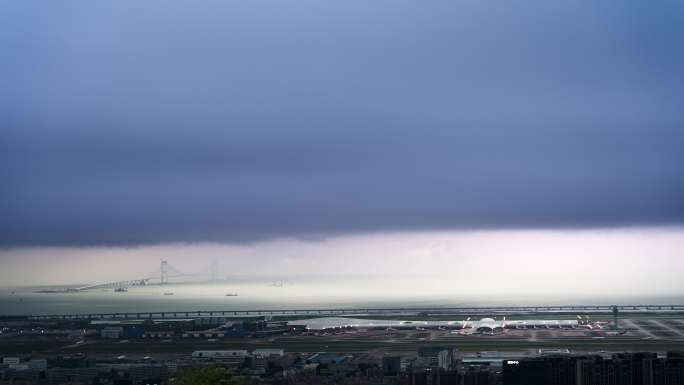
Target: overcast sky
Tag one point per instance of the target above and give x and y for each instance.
(127, 122)
(240, 123)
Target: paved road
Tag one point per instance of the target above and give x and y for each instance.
(568, 309)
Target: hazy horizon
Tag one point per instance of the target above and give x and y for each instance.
(597, 262)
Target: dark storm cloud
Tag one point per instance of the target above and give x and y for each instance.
(130, 122)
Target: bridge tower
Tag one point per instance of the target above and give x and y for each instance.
(164, 272)
(615, 317)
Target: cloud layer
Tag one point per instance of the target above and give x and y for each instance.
(131, 123)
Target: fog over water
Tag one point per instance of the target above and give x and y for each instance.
(401, 268)
(325, 293)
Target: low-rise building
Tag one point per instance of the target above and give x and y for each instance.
(38, 364)
(112, 332)
(10, 361)
(269, 352)
(220, 355)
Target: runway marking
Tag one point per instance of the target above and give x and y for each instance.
(639, 328)
(668, 327)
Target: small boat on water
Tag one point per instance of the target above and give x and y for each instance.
(168, 293)
(231, 295)
(120, 289)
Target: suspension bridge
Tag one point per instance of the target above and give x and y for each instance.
(162, 275)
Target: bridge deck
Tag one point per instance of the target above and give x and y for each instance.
(369, 311)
